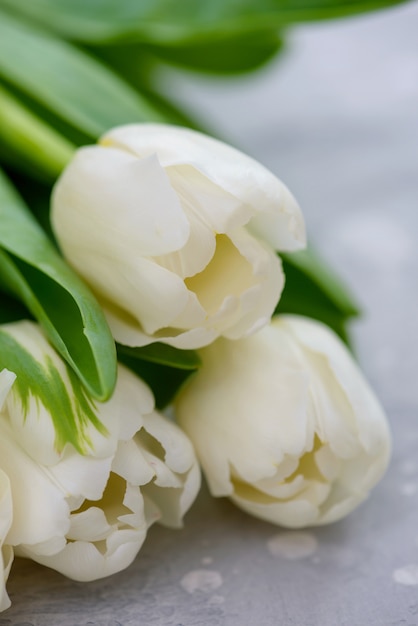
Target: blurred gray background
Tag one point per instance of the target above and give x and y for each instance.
(336, 118)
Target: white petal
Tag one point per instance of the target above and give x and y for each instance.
(89, 525)
(370, 423)
(259, 302)
(106, 541)
(144, 295)
(32, 423)
(179, 454)
(6, 560)
(131, 463)
(200, 245)
(130, 334)
(292, 514)
(6, 507)
(283, 228)
(228, 168)
(193, 315)
(219, 210)
(6, 381)
(235, 271)
(109, 199)
(249, 430)
(81, 475)
(40, 511)
(83, 561)
(6, 517)
(177, 474)
(122, 415)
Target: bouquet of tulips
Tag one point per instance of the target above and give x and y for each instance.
(169, 316)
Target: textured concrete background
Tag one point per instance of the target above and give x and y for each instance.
(337, 120)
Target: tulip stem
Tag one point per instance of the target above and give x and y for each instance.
(31, 139)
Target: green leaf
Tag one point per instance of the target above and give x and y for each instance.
(33, 271)
(163, 367)
(242, 53)
(66, 80)
(32, 139)
(164, 381)
(136, 64)
(163, 354)
(68, 404)
(11, 310)
(313, 290)
(162, 22)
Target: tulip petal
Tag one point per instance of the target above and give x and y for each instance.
(293, 514)
(104, 537)
(199, 248)
(220, 211)
(6, 517)
(6, 381)
(268, 281)
(34, 493)
(126, 202)
(145, 295)
(233, 171)
(81, 475)
(89, 525)
(226, 428)
(84, 561)
(177, 474)
(122, 415)
(367, 419)
(48, 407)
(130, 463)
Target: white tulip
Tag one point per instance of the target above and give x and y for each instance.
(176, 234)
(6, 508)
(285, 424)
(87, 479)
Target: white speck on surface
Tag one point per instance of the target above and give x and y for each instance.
(201, 580)
(207, 560)
(292, 545)
(407, 575)
(409, 489)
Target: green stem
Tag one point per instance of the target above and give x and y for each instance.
(31, 138)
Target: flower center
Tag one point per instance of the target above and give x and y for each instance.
(228, 273)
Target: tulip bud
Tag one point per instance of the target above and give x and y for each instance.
(176, 234)
(284, 423)
(87, 479)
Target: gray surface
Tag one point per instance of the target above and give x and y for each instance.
(337, 120)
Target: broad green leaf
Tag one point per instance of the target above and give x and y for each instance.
(163, 367)
(163, 354)
(227, 56)
(169, 22)
(11, 310)
(31, 138)
(36, 195)
(66, 80)
(65, 399)
(164, 381)
(313, 290)
(136, 64)
(32, 270)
